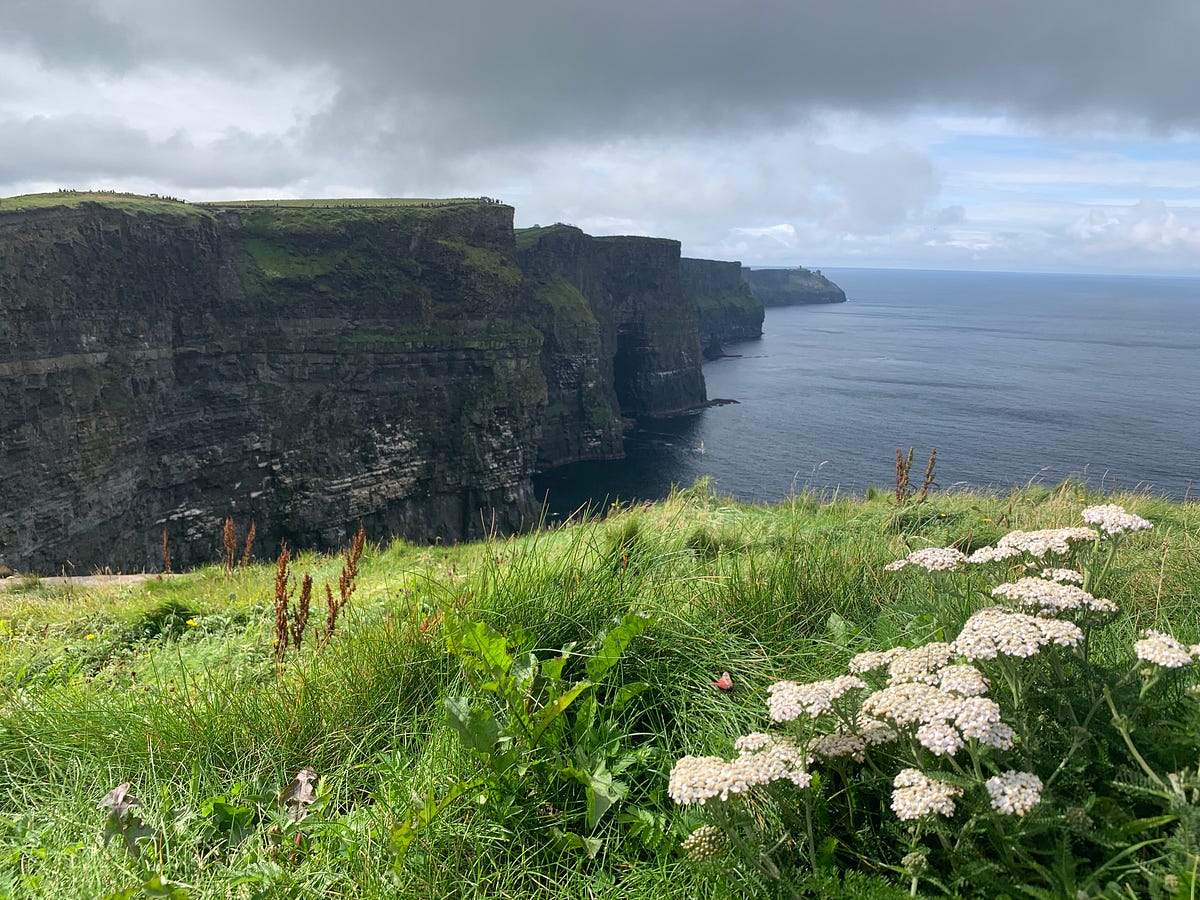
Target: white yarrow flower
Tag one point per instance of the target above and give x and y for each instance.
(1113, 519)
(1014, 793)
(915, 796)
(1163, 650)
(787, 699)
(931, 559)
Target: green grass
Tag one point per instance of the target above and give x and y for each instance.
(172, 685)
(131, 203)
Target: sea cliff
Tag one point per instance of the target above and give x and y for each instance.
(726, 308)
(791, 287)
(310, 366)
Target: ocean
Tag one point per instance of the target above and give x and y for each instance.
(1013, 378)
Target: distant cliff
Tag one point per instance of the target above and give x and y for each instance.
(622, 340)
(727, 309)
(310, 366)
(790, 287)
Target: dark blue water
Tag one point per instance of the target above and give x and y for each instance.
(1014, 378)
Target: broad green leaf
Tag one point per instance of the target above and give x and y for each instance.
(602, 794)
(476, 727)
(615, 643)
(549, 713)
(571, 841)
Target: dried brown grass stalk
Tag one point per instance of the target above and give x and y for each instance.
(903, 466)
(230, 538)
(282, 598)
(166, 553)
(300, 616)
(346, 584)
(249, 545)
(927, 481)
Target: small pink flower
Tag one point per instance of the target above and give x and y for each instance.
(724, 682)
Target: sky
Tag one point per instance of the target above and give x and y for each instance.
(1028, 135)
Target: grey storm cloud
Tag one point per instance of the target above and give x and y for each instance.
(512, 72)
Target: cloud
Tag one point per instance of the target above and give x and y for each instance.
(1147, 227)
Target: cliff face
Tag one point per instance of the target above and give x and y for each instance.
(790, 287)
(305, 369)
(727, 309)
(622, 338)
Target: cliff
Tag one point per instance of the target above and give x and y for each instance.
(622, 339)
(308, 369)
(726, 308)
(790, 287)
(309, 366)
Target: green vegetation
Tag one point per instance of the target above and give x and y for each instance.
(130, 203)
(502, 718)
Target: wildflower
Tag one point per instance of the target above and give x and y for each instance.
(992, 554)
(931, 559)
(1113, 519)
(939, 738)
(978, 718)
(873, 659)
(191, 623)
(1051, 596)
(911, 703)
(1048, 540)
(788, 699)
(704, 843)
(1063, 575)
(964, 680)
(837, 745)
(89, 637)
(1014, 793)
(725, 682)
(916, 795)
(919, 663)
(996, 631)
(698, 779)
(874, 732)
(1162, 650)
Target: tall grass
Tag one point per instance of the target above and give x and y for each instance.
(173, 686)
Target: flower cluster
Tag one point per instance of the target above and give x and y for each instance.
(1048, 540)
(704, 843)
(1014, 793)
(1068, 576)
(916, 795)
(919, 663)
(997, 631)
(931, 559)
(1052, 596)
(761, 760)
(1113, 519)
(1164, 650)
(787, 699)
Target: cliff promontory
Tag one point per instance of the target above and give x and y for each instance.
(791, 287)
(727, 310)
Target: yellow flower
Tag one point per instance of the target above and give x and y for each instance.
(191, 623)
(987, 520)
(91, 637)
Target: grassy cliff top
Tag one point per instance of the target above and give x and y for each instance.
(348, 202)
(134, 203)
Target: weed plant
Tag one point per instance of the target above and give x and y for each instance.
(393, 758)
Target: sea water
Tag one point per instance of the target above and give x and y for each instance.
(1013, 378)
